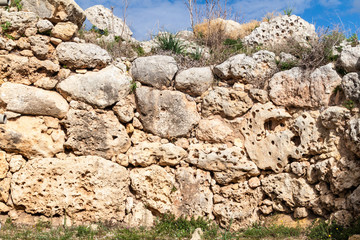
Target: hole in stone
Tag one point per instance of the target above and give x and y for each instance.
(279, 159)
(296, 140)
(279, 165)
(273, 142)
(270, 153)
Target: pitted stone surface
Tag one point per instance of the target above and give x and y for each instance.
(153, 185)
(226, 102)
(166, 113)
(280, 30)
(145, 154)
(228, 164)
(247, 69)
(349, 58)
(88, 188)
(351, 85)
(236, 205)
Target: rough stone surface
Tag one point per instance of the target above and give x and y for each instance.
(236, 205)
(226, 102)
(40, 46)
(153, 185)
(4, 165)
(82, 55)
(351, 85)
(103, 18)
(156, 71)
(44, 26)
(280, 30)
(349, 58)
(217, 129)
(297, 88)
(25, 70)
(194, 81)
(195, 197)
(64, 30)
(352, 136)
(335, 117)
(166, 113)
(107, 137)
(30, 137)
(33, 101)
(16, 163)
(56, 10)
(20, 21)
(285, 187)
(86, 188)
(259, 66)
(101, 89)
(145, 154)
(228, 164)
(125, 108)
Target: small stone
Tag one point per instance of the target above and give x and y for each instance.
(16, 162)
(81, 71)
(137, 124)
(197, 235)
(30, 32)
(254, 182)
(44, 26)
(301, 212)
(64, 30)
(4, 208)
(55, 41)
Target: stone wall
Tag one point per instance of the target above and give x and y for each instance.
(197, 142)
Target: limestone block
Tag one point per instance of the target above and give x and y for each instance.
(101, 89)
(31, 100)
(156, 71)
(82, 55)
(226, 102)
(95, 133)
(30, 137)
(194, 81)
(166, 113)
(87, 188)
(64, 30)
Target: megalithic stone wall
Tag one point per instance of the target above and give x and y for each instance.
(81, 142)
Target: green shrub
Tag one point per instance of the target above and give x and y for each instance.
(235, 45)
(354, 40)
(169, 41)
(15, 3)
(287, 65)
(322, 230)
(349, 104)
(288, 11)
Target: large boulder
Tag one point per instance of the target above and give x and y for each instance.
(32, 137)
(56, 10)
(280, 30)
(86, 188)
(237, 205)
(33, 101)
(194, 81)
(104, 18)
(101, 89)
(295, 192)
(154, 186)
(92, 132)
(227, 164)
(260, 66)
(156, 71)
(82, 55)
(227, 102)
(298, 88)
(194, 195)
(349, 58)
(351, 85)
(166, 113)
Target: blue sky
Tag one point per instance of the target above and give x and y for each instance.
(146, 17)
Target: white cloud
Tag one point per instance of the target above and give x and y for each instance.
(330, 3)
(355, 6)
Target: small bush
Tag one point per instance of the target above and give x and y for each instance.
(349, 104)
(169, 41)
(287, 65)
(322, 230)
